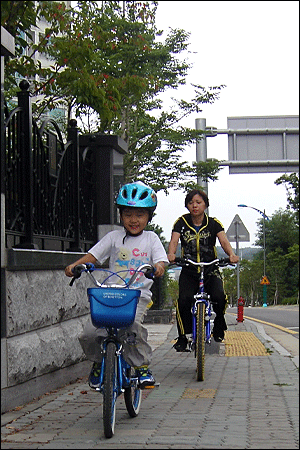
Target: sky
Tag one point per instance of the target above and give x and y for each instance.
(252, 47)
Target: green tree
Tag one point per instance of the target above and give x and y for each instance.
(109, 65)
(282, 260)
(291, 182)
(250, 276)
(160, 287)
(230, 284)
(281, 231)
(172, 292)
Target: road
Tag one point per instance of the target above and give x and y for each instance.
(279, 324)
(286, 316)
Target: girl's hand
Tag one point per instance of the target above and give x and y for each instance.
(171, 257)
(234, 259)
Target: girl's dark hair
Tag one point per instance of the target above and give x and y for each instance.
(191, 194)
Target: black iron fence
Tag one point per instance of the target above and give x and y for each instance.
(50, 184)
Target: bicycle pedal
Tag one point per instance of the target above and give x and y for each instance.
(154, 386)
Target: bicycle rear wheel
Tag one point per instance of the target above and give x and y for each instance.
(200, 341)
(110, 390)
(132, 396)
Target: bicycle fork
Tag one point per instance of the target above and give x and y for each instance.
(123, 381)
(118, 372)
(202, 298)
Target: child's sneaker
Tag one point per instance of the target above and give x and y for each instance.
(94, 378)
(144, 376)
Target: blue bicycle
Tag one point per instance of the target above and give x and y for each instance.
(201, 313)
(113, 307)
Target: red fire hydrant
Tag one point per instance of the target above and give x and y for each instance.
(240, 310)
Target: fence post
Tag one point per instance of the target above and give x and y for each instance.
(24, 102)
(73, 136)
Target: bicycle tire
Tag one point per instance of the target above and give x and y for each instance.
(200, 341)
(110, 390)
(132, 396)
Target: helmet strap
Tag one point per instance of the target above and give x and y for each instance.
(130, 234)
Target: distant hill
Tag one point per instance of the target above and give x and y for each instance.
(244, 253)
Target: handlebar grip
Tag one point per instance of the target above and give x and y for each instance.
(150, 273)
(178, 259)
(224, 261)
(77, 271)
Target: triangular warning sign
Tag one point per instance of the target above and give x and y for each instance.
(237, 231)
(265, 280)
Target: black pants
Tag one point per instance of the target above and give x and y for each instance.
(188, 287)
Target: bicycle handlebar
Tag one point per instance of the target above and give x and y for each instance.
(186, 261)
(147, 269)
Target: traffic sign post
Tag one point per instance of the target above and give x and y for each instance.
(265, 295)
(237, 232)
(265, 281)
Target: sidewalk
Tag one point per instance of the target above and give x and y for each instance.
(245, 402)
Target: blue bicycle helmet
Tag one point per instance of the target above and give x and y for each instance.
(137, 195)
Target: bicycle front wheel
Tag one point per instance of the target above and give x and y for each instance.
(110, 390)
(200, 341)
(132, 396)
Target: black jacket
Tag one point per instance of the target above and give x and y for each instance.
(201, 245)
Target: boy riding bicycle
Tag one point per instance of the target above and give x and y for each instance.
(127, 249)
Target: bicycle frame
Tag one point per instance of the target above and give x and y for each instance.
(201, 297)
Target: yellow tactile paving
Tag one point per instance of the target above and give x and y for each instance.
(243, 343)
(199, 393)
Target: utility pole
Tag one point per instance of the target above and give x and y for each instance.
(201, 150)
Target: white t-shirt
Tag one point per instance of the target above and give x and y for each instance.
(128, 256)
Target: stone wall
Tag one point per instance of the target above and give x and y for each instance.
(44, 317)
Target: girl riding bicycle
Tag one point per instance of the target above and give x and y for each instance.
(197, 233)
(127, 249)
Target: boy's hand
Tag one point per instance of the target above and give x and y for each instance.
(68, 270)
(160, 269)
(88, 258)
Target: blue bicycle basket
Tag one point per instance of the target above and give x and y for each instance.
(111, 307)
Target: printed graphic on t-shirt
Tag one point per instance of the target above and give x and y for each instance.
(128, 261)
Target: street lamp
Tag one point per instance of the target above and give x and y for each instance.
(264, 238)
